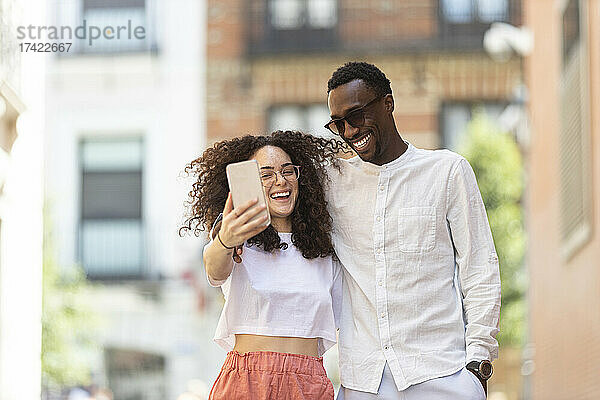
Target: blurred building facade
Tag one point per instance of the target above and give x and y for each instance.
(563, 75)
(123, 118)
(269, 62)
(21, 201)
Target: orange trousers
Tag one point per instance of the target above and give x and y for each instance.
(265, 375)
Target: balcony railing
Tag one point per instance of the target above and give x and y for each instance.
(119, 249)
(350, 26)
(297, 27)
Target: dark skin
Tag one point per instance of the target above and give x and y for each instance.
(384, 143)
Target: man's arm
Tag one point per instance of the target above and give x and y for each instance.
(477, 261)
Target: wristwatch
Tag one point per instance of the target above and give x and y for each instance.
(483, 369)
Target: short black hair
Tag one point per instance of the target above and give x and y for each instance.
(368, 73)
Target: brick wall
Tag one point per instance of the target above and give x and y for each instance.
(564, 293)
(240, 91)
(386, 22)
(241, 87)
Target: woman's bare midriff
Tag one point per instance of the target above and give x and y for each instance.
(293, 345)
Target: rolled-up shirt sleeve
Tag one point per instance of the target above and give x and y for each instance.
(477, 262)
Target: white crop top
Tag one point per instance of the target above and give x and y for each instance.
(281, 294)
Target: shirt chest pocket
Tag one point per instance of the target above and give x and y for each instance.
(416, 229)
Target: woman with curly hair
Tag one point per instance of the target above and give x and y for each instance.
(281, 299)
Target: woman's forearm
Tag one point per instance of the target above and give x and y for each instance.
(235, 228)
(218, 261)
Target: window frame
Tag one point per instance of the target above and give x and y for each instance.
(80, 46)
(266, 37)
(469, 33)
(141, 271)
(471, 103)
(575, 239)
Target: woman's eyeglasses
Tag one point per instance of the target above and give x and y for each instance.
(355, 118)
(290, 173)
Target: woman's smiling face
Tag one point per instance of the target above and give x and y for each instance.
(282, 194)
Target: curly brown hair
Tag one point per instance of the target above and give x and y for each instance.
(311, 222)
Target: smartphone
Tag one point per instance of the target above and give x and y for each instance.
(245, 184)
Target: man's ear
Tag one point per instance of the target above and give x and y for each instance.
(389, 103)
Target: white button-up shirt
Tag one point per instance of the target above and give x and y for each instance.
(421, 287)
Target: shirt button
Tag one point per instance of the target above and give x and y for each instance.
(380, 283)
(381, 188)
(378, 219)
(382, 315)
(386, 347)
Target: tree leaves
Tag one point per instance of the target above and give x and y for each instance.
(498, 166)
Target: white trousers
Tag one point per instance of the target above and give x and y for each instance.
(462, 385)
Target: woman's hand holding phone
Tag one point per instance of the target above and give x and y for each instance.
(238, 224)
(236, 227)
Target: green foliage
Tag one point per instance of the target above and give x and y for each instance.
(497, 163)
(66, 324)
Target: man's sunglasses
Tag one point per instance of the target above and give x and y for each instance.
(355, 118)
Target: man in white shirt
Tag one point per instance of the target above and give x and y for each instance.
(421, 281)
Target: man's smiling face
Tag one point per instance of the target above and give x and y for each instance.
(369, 140)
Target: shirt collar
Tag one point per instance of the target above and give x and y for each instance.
(392, 165)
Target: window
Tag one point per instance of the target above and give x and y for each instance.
(321, 14)
(306, 118)
(456, 116)
(575, 157)
(463, 22)
(111, 231)
(286, 14)
(276, 26)
(297, 14)
(127, 14)
(457, 11)
(470, 11)
(134, 374)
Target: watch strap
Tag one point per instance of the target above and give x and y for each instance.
(475, 366)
